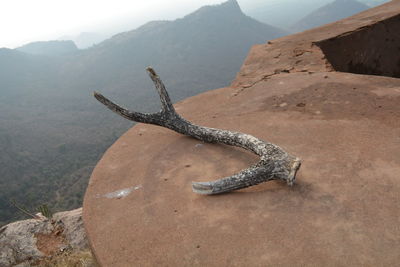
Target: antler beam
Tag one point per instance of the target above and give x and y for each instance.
(275, 163)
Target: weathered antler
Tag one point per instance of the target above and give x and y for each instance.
(275, 163)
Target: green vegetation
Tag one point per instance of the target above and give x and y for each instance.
(45, 211)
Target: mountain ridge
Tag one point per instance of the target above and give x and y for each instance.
(336, 10)
(51, 48)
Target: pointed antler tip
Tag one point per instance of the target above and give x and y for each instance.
(203, 188)
(97, 95)
(151, 71)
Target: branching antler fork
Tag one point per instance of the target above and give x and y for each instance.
(274, 164)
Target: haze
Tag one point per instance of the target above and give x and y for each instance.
(23, 21)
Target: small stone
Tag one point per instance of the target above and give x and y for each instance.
(283, 105)
(301, 105)
(64, 248)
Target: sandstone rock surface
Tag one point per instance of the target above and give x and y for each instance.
(339, 119)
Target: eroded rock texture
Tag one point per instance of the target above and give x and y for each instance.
(30, 240)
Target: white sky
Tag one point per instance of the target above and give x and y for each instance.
(23, 21)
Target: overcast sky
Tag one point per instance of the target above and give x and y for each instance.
(23, 21)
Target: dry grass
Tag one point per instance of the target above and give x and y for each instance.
(69, 259)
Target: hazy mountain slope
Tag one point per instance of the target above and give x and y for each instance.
(283, 13)
(49, 48)
(52, 131)
(334, 11)
(85, 39)
(286, 13)
(201, 51)
(373, 3)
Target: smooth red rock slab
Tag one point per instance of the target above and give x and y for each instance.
(139, 209)
(344, 209)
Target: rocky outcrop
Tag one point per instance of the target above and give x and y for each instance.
(342, 122)
(34, 239)
(373, 49)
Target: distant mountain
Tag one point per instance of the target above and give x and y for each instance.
(283, 13)
(373, 3)
(20, 72)
(201, 51)
(49, 48)
(85, 39)
(334, 11)
(286, 13)
(52, 131)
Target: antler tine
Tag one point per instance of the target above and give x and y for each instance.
(166, 103)
(127, 114)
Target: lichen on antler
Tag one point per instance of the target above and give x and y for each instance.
(275, 163)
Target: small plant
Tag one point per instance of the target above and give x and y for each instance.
(45, 211)
(22, 209)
